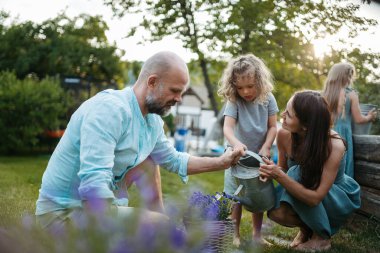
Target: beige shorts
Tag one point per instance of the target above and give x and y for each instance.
(58, 219)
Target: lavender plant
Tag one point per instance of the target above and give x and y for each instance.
(209, 207)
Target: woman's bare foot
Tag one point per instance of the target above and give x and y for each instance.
(261, 242)
(316, 243)
(302, 236)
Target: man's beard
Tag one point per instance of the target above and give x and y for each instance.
(154, 106)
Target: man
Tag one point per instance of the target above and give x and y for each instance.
(117, 138)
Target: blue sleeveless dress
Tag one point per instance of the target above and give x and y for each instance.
(329, 215)
(342, 126)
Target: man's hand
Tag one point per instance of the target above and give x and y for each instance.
(240, 147)
(231, 157)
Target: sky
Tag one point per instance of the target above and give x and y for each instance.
(40, 10)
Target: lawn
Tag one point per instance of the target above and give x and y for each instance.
(20, 179)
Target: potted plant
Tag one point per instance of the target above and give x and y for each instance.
(208, 216)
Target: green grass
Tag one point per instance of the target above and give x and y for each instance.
(20, 179)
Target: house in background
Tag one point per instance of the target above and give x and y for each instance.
(197, 123)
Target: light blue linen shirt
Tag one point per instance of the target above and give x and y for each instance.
(106, 137)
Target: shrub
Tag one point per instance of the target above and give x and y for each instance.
(27, 108)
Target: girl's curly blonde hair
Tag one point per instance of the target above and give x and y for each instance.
(246, 65)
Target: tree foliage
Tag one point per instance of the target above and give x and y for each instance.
(27, 108)
(66, 46)
(278, 31)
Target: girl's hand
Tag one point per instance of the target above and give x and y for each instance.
(372, 115)
(264, 151)
(241, 147)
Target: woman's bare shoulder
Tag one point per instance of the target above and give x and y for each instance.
(337, 143)
(283, 132)
(283, 136)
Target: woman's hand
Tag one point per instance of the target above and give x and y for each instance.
(269, 170)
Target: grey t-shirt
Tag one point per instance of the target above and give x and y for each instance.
(251, 120)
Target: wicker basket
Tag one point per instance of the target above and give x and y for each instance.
(218, 235)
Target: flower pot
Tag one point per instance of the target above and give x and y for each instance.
(216, 236)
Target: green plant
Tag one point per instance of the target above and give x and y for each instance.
(169, 124)
(27, 108)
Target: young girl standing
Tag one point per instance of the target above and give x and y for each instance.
(249, 121)
(341, 76)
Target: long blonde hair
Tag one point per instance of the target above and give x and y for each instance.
(340, 76)
(246, 65)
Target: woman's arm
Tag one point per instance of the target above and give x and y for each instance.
(284, 143)
(357, 116)
(228, 130)
(297, 190)
(271, 134)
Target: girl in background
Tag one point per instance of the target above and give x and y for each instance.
(250, 121)
(341, 76)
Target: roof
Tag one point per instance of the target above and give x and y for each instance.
(191, 92)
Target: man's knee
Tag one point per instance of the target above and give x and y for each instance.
(57, 220)
(143, 214)
(147, 167)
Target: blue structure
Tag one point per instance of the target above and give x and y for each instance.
(180, 139)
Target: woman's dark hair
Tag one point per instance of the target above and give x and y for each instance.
(311, 153)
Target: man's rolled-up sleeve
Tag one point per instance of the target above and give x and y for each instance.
(166, 156)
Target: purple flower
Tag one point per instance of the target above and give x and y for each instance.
(122, 246)
(177, 238)
(209, 207)
(27, 222)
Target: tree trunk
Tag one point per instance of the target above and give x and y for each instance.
(210, 88)
(191, 32)
(245, 43)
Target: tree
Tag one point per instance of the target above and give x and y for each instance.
(166, 17)
(59, 46)
(279, 31)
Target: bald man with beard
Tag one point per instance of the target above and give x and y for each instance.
(115, 139)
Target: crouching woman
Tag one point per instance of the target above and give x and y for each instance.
(314, 194)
